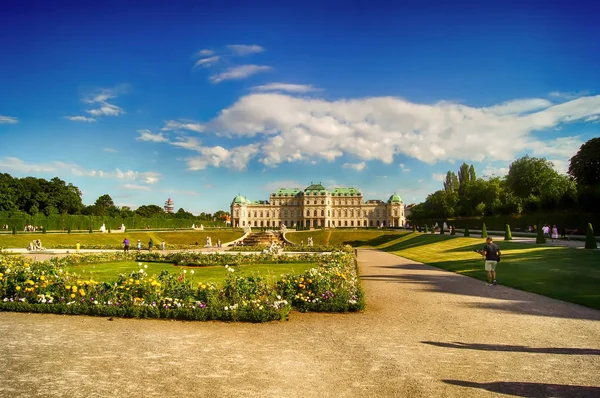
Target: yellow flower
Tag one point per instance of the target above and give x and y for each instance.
(1, 274)
(74, 288)
(43, 278)
(68, 287)
(137, 282)
(72, 295)
(18, 288)
(82, 292)
(154, 283)
(29, 281)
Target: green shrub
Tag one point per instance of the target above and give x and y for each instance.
(590, 239)
(467, 231)
(484, 233)
(432, 229)
(14, 230)
(540, 239)
(414, 228)
(507, 233)
(90, 230)
(69, 229)
(426, 228)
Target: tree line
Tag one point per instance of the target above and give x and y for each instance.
(32, 198)
(532, 185)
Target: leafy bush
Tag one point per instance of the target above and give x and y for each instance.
(484, 233)
(467, 234)
(426, 228)
(590, 240)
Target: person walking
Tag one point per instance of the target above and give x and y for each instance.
(77, 246)
(126, 245)
(150, 244)
(554, 233)
(162, 245)
(491, 252)
(139, 245)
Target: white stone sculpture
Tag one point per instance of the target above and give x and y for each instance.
(208, 242)
(103, 228)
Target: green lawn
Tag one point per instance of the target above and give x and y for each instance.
(111, 271)
(559, 272)
(116, 239)
(358, 237)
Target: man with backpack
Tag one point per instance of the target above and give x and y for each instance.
(491, 252)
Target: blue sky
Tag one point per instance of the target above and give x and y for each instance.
(203, 101)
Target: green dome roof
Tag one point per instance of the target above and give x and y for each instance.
(395, 198)
(315, 187)
(240, 200)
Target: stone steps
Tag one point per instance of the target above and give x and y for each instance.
(263, 239)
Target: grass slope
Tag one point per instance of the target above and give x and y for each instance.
(560, 272)
(115, 239)
(346, 237)
(105, 272)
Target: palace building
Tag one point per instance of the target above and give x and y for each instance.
(317, 207)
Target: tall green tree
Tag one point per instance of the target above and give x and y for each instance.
(531, 177)
(584, 167)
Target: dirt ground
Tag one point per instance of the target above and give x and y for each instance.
(426, 333)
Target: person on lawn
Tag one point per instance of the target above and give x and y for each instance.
(491, 252)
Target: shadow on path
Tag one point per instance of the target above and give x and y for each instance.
(508, 299)
(531, 389)
(516, 348)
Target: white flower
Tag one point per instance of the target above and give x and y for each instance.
(140, 264)
(226, 266)
(185, 271)
(226, 308)
(141, 271)
(145, 266)
(230, 270)
(192, 272)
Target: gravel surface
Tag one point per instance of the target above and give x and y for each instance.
(426, 333)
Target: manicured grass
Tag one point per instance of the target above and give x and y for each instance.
(560, 272)
(358, 237)
(110, 271)
(116, 239)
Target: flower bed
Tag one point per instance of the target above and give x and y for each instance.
(211, 259)
(46, 287)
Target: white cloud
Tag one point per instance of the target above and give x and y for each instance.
(8, 120)
(112, 150)
(568, 95)
(438, 176)
(245, 49)
(290, 129)
(183, 125)
(136, 187)
(356, 166)
(147, 135)
(403, 168)
(101, 98)
(292, 88)
(593, 118)
(206, 62)
(494, 171)
(518, 106)
(205, 53)
(16, 165)
(236, 158)
(275, 185)
(239, 72)
(80, 119)
(191, 143)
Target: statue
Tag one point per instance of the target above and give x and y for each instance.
(274, 249)
(309, 241)
(122, 227)
(208, 242)
(103, 228)
(201, 227)
(445, 226)
(247, 228)
(193, 226)
(35, 245)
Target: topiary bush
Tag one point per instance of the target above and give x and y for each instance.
(467, 231)
(507, 233)
(414, 228)
(426, 228)
(540, 239)
(442, 230)
(484, 233)
(590, 239)
(90, 230)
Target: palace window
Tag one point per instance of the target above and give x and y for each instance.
(346, 223)
(365, 223)
(323, 213)
(308, 213)
(314, 202)
(261, 213)
(315, 213)
(352, 223)
(322, 202)
(328, 213)
(255, 213)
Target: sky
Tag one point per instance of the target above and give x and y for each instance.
(201, 101)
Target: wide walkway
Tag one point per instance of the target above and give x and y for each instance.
(426, 333)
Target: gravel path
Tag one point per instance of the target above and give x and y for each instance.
(426, 332)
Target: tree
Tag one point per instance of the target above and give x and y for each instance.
(451, 183)
(507, 233)
(584, 167)
(590, 239)
(484, 233)
(149, 211)
(531, 177)
(540, 239)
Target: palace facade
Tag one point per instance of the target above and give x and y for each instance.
(317, 207)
